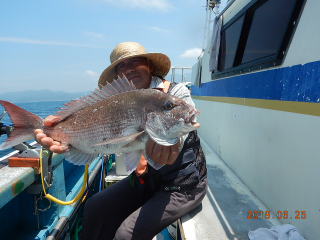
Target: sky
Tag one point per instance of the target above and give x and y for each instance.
(65, 45)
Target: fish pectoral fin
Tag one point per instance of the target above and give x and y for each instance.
(140, 138)
(78, 157)
(131, 160)
(119, 140)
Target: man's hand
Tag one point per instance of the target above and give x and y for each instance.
(162, 154)
(48, 142)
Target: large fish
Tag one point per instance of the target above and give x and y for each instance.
(116, 119)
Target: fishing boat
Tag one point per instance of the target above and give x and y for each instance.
(257, 85)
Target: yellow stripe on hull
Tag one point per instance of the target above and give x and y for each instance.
(286, 106)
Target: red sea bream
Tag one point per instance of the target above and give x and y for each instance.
(116, 119)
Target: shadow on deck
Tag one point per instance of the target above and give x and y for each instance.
(225, 210)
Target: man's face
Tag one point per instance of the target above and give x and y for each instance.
(137, 69)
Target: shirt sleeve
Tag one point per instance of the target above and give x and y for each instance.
(180, 91)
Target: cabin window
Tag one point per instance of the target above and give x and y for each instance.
(267, 29)
(258, 36)
(229, 44)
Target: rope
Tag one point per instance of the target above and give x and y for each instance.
(60, 201)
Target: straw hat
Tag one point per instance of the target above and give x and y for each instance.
(161, 62)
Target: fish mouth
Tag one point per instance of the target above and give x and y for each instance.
(195, 125)
(191, 119)
(193, 115)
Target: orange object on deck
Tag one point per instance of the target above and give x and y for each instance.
(23, 162)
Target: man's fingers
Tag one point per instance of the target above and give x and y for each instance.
(162, 154)
(39, 136)
(53, 146)
(49, 143)
(174, 153)
(37, 131)
(165, 154)
(46, 142)
(157, 151)
(50, 120)
(149, 146)
(58, 149)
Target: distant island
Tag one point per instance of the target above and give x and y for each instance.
(39, 96)
(48, 95)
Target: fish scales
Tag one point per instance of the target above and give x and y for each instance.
(123, 114)
(112, 120)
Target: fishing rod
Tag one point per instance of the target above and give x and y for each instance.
(5, 128)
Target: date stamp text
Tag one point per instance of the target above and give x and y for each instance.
(280, 215)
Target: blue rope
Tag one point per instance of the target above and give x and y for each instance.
(101, 173)
(108, 164)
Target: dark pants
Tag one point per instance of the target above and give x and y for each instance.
(120, 211)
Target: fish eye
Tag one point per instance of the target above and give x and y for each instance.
(168, 105)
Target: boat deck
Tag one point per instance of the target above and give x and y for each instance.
(13, 180)
(223, 213)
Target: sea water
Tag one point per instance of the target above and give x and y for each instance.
(41, 109)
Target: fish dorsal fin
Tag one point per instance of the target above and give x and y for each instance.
(119, 85)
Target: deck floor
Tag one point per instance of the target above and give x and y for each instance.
(223, 213)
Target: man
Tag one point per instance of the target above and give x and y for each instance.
(169, 181)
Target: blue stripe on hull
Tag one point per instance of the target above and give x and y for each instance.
(297, 83)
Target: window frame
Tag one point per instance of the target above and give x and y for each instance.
(265, 62)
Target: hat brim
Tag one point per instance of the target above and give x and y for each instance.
(161, 63)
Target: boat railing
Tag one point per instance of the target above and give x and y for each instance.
(183, 78)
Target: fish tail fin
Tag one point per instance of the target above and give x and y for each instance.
(24, 123)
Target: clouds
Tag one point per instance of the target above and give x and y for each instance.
(45, 42)
(149, 5)
(73, 49)
(95, 37)
(157, 29)
(191, 53)
(91, 73)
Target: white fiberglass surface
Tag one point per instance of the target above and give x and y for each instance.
(274, 153)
